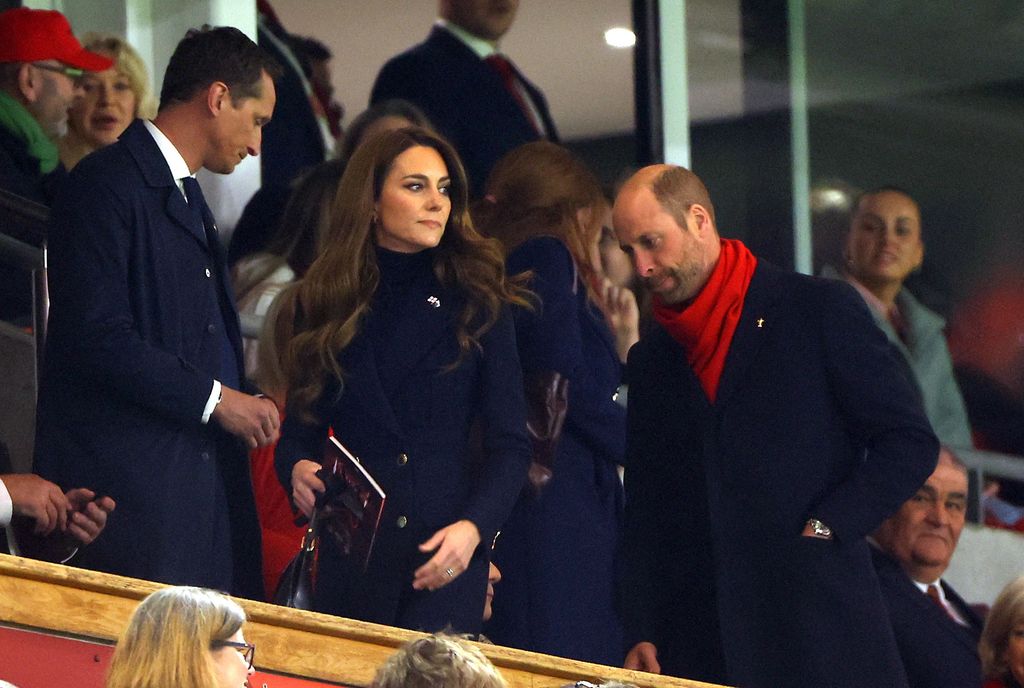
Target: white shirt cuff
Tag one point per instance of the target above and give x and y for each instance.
(6, 505)
(211, 402)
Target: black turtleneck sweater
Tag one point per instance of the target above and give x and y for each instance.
(405, 279)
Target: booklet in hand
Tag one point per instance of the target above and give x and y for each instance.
(353, 502)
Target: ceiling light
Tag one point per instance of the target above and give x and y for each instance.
(620, 37)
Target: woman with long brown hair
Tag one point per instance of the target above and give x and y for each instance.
(548, 209)
(399, 339)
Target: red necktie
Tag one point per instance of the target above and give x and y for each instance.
(933, 594)
(507, 72)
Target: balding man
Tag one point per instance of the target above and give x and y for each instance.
(770, 430)
(936, 631)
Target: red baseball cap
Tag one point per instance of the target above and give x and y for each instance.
(28, 35)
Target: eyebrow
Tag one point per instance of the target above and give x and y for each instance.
(419, 176)
(932, 492)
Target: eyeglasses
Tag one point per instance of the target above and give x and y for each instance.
(247, 650)
(72, 72)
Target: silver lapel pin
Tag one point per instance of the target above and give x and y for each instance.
(434, 301)
(760, 323)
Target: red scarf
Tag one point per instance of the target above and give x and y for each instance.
(705, 326)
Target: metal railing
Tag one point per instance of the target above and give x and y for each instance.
(984, 465)
(23, 248)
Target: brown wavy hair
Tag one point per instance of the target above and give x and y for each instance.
(538, 189)
(322, 314)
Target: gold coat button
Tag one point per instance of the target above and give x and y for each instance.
(403, 459)
(402, 520)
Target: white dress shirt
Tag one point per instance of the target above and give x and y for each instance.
(179, 170)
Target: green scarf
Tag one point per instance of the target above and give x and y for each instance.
(16, 119)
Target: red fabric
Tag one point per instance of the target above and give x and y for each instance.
(28, 35)
(933, 594)
(507, 72)
(705, 326)
(281, 537)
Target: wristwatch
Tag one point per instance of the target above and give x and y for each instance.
(819, 529)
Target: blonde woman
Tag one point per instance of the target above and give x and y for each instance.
(183, 637)
(1002, 642)
(108, 101)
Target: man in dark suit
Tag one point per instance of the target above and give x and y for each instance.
(140, 397)
(937, 632)
(471, 92)
(770, 430)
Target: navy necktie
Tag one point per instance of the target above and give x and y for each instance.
(228, 374)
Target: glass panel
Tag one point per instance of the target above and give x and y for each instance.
(929, 97)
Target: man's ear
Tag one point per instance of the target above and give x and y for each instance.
(28, 81)
(217, 97)
(701, 216)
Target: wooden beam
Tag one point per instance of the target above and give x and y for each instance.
(70, 601)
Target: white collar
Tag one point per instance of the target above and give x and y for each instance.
(923, 587)
(179, 168)
(483, 48)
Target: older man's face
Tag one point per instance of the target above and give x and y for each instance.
(923, 534)
(488, 19)
(52, 97)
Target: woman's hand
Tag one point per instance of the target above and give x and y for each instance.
(623, 315)
(455, 545)
(306, 486)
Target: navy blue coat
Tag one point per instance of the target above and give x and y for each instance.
(813, 418)
(465, 99)
(557, 551)
(292, 141)
(409, 420)
(131, 355)
(937, 652)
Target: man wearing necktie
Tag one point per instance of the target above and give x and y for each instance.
(473, 94)
(142, 393)
(936, 631)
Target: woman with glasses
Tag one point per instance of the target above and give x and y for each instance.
(183, 637)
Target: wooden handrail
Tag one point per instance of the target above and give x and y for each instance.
(67, 600)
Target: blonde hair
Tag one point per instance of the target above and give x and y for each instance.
(438, 660)
(1007, 613)
(167, 641)
(128, 62)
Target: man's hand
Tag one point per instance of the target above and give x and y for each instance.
(254, 420)
(643, 657)
(454, 545)
(88, 515)
(38, 499)
(306, 485)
